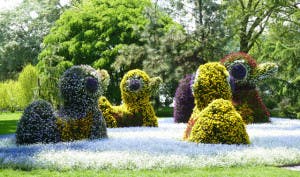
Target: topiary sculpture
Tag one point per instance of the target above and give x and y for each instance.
(37, 124)
(136, 110)
(246, 74)
(184, 100)
(213, 116)
(79, 116)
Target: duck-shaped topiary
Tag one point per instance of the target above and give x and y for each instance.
(136, 89)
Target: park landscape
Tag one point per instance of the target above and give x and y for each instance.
(150, 88)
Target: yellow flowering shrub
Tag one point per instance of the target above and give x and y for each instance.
(75, 129)
(136, 89)
(219, 122)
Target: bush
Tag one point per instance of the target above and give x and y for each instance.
(219, 122)
(37, 124)
(184, 100)
(28, 80)
(10, 93)
(164, 112)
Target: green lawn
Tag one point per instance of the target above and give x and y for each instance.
(8, 122)
(207, 172)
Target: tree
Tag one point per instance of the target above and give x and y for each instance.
(207, 31)
(93, 32)
(250, 18)
(21, 32)
(281, 44)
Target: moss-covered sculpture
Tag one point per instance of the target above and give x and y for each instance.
(79, 116)
(213, 113)
(246, 74)
(136, 110)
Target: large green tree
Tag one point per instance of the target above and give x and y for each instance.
(250, 18)
(93, 32)
(21, 32)
(281, 45)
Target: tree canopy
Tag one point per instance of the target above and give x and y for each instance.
(21, 33)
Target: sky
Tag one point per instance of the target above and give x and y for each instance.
(10, 4)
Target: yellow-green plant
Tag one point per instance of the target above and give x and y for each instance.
(136, 88)
(219, 122)
(28, 80)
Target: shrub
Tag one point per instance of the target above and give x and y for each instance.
(184, 100)
(219, 122)
(80, 117)
(28, 80)
(37, 124)
(10, 94)
(136, 88)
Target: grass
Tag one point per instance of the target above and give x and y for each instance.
(8, 122)
(206, 172)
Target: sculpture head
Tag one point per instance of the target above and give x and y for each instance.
(211, 82)
(137, 87)
(245, 71)
(80, 87)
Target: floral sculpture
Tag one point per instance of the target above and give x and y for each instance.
(184, 100)
(246, 73)
(136, 110)
(78, 118)
(214, 119)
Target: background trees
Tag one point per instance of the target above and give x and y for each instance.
(122, 35)
(21, 33)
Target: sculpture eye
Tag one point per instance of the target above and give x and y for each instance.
(238, 71)
(91, 84)
(134, 84)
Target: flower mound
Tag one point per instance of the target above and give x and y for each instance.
(80, 117)
(184, 100)
(37, 124)
(219, 123)
(136, 110)
(246, 73)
